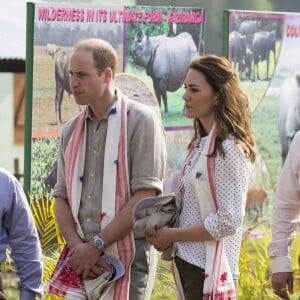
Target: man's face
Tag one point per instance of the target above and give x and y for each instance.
(86, 84)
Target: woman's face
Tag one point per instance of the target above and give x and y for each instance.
(199, 97)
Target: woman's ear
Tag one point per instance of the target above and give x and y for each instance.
(216, 98)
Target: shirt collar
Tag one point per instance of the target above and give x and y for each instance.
(111, 110)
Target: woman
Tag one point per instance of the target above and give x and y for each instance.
(213, 185)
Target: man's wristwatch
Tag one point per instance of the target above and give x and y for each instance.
(99, 244)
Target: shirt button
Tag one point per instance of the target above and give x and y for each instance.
(88, 220)
(89, 196)
(94, 151)
(92, 175)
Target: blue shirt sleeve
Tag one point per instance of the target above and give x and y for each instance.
(19, 232)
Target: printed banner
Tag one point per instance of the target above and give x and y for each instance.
(263, 48)
(154, 45)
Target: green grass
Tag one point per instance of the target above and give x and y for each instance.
(265, 125)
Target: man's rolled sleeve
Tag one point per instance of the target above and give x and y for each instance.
(60, 191)
(281, 264)
(147, 182)
(148, 154)
(278, 251)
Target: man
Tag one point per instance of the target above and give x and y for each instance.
(286, 211)
(19, 233)
(111, 155)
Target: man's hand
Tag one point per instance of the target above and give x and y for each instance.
(86, 260)
(282, 282)
(99, 268)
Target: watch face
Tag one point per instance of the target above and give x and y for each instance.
(99, 243)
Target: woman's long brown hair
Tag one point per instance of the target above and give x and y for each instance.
(232, 113)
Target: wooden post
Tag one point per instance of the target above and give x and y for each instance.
(17, 169)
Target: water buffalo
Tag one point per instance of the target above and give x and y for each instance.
(245, 67)
(61, 81)
(263, 43)
(289, 112)
(52, 49)
(166, 60)
(237, 49)
(248, 29)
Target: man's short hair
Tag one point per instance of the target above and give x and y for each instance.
(104, 54)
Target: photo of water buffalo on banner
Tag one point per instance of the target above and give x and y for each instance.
(263, 49)
(154, 45)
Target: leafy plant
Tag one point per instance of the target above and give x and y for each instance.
(255, 278)
(50, 237)
(164, 286)
(43, 214)
(254, 265)
(44, 157)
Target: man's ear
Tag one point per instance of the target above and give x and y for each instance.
(108, 75)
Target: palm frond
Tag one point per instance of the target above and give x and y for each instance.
(43, 214)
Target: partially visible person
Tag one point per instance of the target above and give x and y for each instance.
(285, 217)
(214, 183)
(18, 232)
(111, 155)
(2, 296)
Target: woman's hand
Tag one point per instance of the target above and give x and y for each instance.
(163, 239)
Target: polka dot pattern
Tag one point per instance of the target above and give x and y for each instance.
(231, 177)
